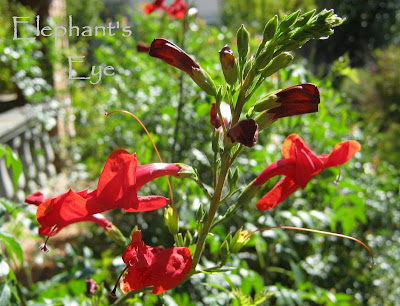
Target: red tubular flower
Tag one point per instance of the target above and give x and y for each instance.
(296, 100)
(151, 266)
(151, 7)
(177, 9)
(172, 55)
(244, 132)
(225, 112)
(117, 186)
(299, 165)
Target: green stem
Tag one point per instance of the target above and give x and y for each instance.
(210, 216)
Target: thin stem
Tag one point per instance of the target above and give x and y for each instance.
(154, 146)
(319, 232)
(210, 217)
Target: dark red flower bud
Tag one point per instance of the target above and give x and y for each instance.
(296, 100)
(172, 55)
(142, 47)
(244, 132)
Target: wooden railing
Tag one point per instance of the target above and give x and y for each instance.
(21, 130)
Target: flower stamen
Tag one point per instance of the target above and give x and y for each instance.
(152, 142)
(113, 292)
(44, 247)
(319, 232)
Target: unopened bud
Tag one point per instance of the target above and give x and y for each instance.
(171, 218)
(264, 58)
(201, 78)
(115, 235)
(224, 252)
(288, 21)
(239, 240)
(277, 63)
(304, 19)
(270, 28)
(228, 64)
(243, 42)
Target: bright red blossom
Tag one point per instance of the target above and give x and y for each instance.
(177, 9)
(299, 165)
(154, 266)
(119, 181)
(151, 7)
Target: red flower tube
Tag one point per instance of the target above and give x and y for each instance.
(295, 100)
(299, 165)
(153, 266)
(172, 55)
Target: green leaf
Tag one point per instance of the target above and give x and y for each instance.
(14, 163)
(12, 246)
(5, 294)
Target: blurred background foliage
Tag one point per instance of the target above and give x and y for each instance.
(357, 73)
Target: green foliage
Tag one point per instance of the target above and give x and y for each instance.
(11, 162)
(255, 13)
(22, 64)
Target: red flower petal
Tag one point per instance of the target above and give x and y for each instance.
(35, 198)
(172, 55)
(341, 153)
(147, 266)
(284, 188)
(146, 203)
(280, 167)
